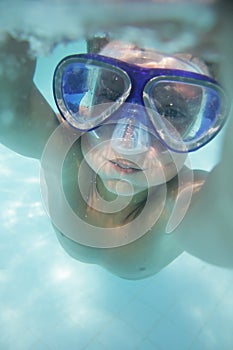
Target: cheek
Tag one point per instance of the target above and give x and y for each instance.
(163, 167)
(96, 152)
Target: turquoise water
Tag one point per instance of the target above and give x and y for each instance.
(49, 301)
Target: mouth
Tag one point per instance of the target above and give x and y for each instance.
(125, 166)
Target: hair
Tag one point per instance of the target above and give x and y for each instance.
(96, 43)
(104, 44)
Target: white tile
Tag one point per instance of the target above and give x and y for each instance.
(90, 316)
(194, 307)
(67, 336)
(39, 345)
(199, 298)
(112, 301)
(20, 339)
(160, 296)
(119, 335)
(147, 345)
(198, 345)
(190, 318)
(170, 336)
(95, 345)
(140, 316)
(216, 279)
(165, 288)
(218, 330)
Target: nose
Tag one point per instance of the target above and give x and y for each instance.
(130, 136)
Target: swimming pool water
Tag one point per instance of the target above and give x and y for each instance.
(50, 301)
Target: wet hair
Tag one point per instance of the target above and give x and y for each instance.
(208, 68)
(96, 43)
(101, 43)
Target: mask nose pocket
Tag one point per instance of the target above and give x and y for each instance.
(130, 137)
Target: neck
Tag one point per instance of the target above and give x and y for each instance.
(117, 209)
(110, 196)
(104, 207)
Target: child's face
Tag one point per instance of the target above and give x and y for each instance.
(150, 163)
(150, 168)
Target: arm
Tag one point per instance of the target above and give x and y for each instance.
(207, 230)
(26, 119)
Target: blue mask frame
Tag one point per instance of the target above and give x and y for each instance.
(141, 80)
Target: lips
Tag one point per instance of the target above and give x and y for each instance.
(125, 166)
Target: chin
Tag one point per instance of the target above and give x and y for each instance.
(121, 187)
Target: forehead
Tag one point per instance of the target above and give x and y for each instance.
(148, 58)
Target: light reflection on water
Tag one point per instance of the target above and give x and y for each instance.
(77, 19)
(50, 301)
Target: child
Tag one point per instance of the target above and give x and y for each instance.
(141, 113)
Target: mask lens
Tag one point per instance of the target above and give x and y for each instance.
(89, 92)
(187, 114)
